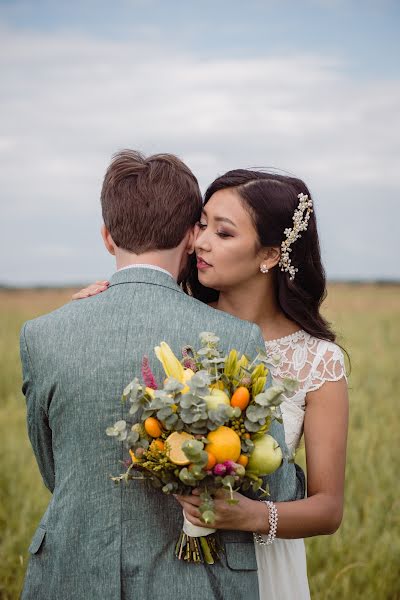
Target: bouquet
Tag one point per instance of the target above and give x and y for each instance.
(206, 427)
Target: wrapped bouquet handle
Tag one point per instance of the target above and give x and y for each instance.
(198, 544)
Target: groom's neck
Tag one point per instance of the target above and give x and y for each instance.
(165, 259)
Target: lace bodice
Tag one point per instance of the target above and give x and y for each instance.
(311, 362)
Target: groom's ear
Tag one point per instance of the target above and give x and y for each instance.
(107, 239)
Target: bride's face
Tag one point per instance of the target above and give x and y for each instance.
(226, 243)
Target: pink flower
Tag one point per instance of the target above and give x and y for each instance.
(230, 467)
(147, 374)
(219, 469)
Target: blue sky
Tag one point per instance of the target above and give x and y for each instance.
(311, 87)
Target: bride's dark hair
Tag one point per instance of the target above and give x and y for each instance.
(271, 200)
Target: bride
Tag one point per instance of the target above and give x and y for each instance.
(258, 258)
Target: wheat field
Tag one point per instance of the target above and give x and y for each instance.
(360, 561)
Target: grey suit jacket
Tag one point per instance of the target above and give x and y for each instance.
(98, 540)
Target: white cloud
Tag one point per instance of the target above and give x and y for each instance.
(68, 102)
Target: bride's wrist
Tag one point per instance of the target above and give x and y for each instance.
(261, 520)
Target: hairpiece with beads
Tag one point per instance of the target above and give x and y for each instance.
(300, 223)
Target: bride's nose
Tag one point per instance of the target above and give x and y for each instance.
(202, 241)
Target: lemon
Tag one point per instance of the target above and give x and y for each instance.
(173, 445)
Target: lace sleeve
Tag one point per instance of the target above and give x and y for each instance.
(329, 366)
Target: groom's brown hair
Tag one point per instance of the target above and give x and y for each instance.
(149, 203)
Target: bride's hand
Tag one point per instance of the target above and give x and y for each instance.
(91, 290)
(246, 515)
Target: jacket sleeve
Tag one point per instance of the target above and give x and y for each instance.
(288, 482)
(39, 431)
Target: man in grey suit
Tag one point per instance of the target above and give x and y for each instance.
(98, 540)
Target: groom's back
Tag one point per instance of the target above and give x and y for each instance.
(98, 539)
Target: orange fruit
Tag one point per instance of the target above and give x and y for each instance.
(212, 461)
(174, 447)
(243, 460)
(153, 427)
(224, 444)
(247, 436)
(241, 398)
(159, 444)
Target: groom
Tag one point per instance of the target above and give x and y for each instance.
(98, 540)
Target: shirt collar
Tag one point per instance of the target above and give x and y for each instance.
(146, 266)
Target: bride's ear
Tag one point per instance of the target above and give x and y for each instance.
(270, 256)
(107, 239)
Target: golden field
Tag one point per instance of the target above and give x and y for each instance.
(362, 560)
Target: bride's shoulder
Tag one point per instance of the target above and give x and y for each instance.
(328, 362)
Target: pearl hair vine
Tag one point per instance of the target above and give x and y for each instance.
(300, 223)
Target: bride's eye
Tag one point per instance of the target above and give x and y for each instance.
(223, 234)
(201, 225)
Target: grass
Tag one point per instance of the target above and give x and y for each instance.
(361, 561)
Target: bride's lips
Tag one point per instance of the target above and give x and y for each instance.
(202, 264)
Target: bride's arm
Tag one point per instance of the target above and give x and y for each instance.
(325, 433)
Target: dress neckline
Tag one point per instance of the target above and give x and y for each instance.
(292, 337)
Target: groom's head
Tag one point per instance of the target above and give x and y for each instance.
(149, 204)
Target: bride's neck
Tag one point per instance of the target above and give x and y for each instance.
(258, 306)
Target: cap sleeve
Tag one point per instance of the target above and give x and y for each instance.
(329, 366)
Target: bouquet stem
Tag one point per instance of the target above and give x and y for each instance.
(198, 544)
(204, 549)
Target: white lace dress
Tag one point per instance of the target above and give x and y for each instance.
(282, 568)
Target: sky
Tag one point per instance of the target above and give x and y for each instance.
(308, 87)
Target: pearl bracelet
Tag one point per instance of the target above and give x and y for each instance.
(273, 525)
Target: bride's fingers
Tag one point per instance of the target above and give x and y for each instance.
(195, 521)
(90, 290)
(79, 295)
(191, 511)
(193, 500)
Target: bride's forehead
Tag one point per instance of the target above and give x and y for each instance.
(228, 204)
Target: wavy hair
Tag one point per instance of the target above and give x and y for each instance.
(271, 200)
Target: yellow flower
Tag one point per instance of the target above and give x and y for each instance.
(171, 364)
(242, 363)
(187, 376)
(150, 392)
(231, 363)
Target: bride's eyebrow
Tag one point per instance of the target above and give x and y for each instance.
(220, 219)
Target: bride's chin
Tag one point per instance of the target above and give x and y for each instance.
(202, 277)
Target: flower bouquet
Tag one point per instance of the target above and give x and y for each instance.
(206, 427)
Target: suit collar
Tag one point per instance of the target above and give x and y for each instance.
(144, 275)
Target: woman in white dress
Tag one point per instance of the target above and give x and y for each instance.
(258, 258)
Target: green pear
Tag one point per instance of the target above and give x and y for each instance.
(266, 456)
(215, 398)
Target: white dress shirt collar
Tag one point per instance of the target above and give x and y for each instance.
(146, 266)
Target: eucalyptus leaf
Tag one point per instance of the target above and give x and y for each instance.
(173, 385)
(291, 385)
(250, 426)
(228, 480)
(208, 517)
(171, 420)
(208, 337)
(163, 413)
